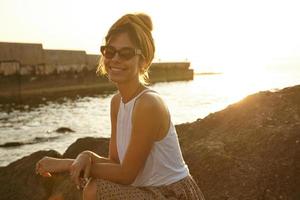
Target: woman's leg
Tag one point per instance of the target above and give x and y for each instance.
(99, 189)
(90, 190)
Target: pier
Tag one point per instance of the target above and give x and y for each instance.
(28, 70)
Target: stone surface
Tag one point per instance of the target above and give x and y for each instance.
(63, 187)
(250, 150)
(19, 181)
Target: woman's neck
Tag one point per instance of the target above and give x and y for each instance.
(129, 91)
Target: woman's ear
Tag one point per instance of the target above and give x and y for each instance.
(142, 65)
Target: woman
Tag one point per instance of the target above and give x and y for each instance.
(145, 160)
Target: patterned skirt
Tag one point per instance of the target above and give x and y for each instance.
(185, 189)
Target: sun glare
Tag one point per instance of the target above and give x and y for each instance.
(215, 36)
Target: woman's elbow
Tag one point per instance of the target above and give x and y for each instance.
(128, 178)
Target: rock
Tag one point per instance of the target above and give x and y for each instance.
(63, 187)
(236, 154)
(27, 142)
(19, 182)
(12, 144)
(64, 130)
(18, 179)
(97, 145)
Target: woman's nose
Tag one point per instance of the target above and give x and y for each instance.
(116, 57)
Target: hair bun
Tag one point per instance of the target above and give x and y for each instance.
(146, 19)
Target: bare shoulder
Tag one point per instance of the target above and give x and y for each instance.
(151, 112)
(151, 101)
(115, 100)
(114, 103)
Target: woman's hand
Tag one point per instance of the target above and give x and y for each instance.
(80, 169)
(48, 165)
(45, 166)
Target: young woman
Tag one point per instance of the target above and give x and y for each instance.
(145, 160)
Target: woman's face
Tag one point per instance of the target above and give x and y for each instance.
(121, 70)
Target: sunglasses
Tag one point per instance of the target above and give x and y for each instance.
(124, 53)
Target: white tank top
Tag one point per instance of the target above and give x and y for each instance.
(165, 164)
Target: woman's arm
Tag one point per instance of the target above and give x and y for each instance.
(48, 165)
(114, 109)
(86, 159)
(146, 123)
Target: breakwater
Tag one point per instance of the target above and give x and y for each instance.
(27, 71)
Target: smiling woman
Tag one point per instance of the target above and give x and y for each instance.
(143, 137)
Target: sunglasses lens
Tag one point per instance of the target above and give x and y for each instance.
(125, 53)
(108, 51)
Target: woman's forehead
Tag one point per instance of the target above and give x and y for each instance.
(120, 39)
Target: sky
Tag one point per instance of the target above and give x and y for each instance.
(214, 35)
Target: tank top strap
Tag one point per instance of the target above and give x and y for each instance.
(143, 92)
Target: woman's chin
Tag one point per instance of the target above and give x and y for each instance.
(116, 79)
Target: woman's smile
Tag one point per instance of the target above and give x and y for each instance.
(117, 69)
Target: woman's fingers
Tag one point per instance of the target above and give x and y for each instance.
(87, 171)
(46, 174)
(39, 169)
(80, 170)
(75, 176)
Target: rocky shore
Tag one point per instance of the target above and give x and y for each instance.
(248, 151)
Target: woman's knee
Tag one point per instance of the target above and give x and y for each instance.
(90, 190)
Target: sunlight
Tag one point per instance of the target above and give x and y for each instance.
(226, 37)
(235, 86)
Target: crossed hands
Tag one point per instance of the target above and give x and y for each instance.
(79, 168)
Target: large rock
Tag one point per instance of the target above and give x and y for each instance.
(18, 180)
(97, 145)
(63, 188)
(250, 150)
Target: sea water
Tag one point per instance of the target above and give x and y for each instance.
(188, 101)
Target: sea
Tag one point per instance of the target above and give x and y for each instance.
(35, 125)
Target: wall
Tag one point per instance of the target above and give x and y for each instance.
(26, 54)
(64, 57)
